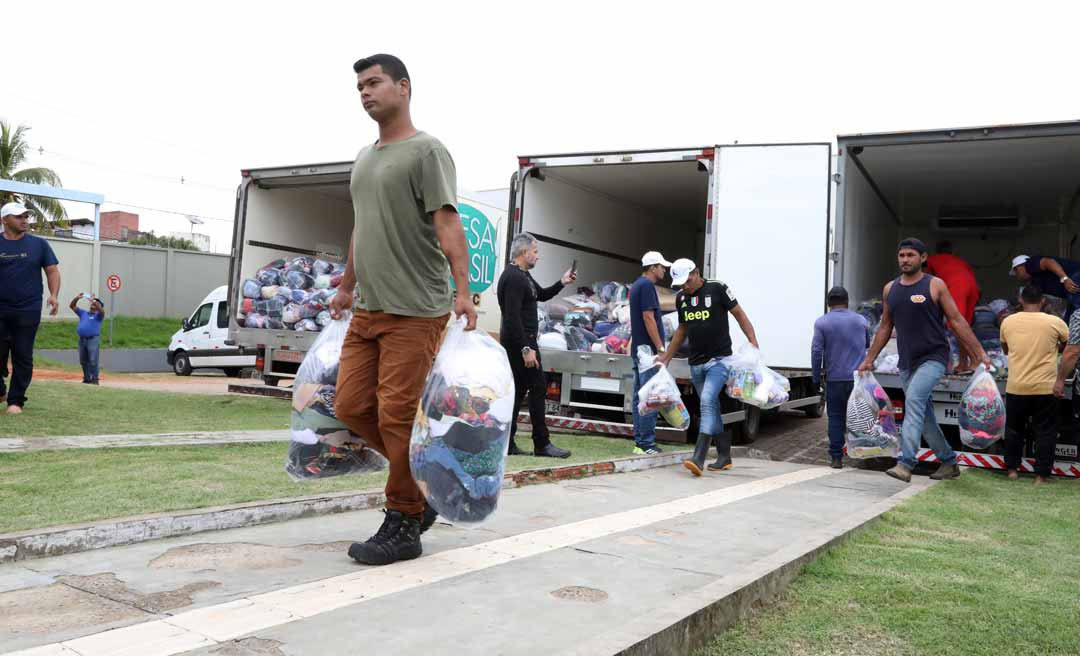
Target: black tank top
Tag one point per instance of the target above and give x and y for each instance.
(920, 324)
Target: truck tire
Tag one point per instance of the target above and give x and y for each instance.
(271, 381)
(233, 372)
(746, 431)
(815, 411)
(181, 364)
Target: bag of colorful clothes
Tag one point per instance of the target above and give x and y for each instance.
(751, 382)
(459, 439)
(321, 445)
(982, 411)
(660, 393)
(870, 430)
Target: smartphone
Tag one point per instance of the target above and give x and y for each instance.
(573, 267)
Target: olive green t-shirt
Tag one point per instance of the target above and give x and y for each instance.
(400, 267)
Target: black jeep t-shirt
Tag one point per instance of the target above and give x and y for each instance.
(705, 315)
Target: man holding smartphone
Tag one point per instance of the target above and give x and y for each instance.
(518, 295)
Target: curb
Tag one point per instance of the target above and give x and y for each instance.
(123, 440)
(77, 538)
(695, 620)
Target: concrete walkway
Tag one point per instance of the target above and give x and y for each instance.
(648, 562)
(15, 444)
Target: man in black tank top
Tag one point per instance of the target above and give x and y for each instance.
(917, 305)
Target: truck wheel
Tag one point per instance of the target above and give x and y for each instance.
(232, 372)
(271, 381)
(747, 429)
(815, 411)
(181, 364)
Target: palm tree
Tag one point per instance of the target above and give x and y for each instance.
(13, 150)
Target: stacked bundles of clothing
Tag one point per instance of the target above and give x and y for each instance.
(870, 430)
(982, 411)
(596, 319)
(871, 311)
(660, 393)
(751, 382)
(322, 446)
(290, 295)
(458, 448)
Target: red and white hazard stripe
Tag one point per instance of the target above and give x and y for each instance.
(589, 425)
(990, 461)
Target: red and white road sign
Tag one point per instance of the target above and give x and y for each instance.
(112, 283)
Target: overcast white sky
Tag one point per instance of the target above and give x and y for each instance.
(127, 98)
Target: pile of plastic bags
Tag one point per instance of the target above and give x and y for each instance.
(322, 446)
(660, 393)
(871, 430)
(982, 411)
(459, 439)
(751, 382)
(594, 320)
(290, 295)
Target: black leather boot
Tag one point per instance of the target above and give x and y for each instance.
(723, 453)
(696, 464)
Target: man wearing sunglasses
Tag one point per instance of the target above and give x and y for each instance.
(22, 258)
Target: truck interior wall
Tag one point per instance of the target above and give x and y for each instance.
(564, 208)
(869, 239)
(317, 219)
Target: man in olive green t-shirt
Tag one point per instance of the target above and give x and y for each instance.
(405, 232)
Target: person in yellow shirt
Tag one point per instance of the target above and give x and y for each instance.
(1032, 340)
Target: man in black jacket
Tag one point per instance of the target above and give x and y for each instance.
(518, 294)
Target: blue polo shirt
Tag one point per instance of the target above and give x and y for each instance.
(89, 323)
(21, 264)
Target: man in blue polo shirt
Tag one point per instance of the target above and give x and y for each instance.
(89, 332)
(22, 258)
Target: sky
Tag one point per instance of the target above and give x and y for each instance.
(159, 107)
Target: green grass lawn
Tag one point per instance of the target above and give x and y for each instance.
(59, 408)
(128, 333)
(978, 566)
(48, 488)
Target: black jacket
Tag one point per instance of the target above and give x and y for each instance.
(518, 294)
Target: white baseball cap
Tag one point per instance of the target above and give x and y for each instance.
(1017, 261)
(680, 271)
(13, 209)
(654, 257)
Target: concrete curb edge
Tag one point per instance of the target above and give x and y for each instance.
(76, 538)
(694, 620)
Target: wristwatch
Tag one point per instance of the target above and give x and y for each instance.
(525, 350)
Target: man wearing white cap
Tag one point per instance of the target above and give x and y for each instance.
(1055, 276)
(703, 307)
(22, 257)
(646, 329)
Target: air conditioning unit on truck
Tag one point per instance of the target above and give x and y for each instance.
(295, 211)
(755, 216)
(995, 192)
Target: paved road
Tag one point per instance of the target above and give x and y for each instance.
(571, 567)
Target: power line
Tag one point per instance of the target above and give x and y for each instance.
(182, 180)
(158, 209)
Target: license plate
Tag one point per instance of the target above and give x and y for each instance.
(289, 356)
(552, 407)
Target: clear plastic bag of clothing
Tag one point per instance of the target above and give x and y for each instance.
(459, 439)
(982, 411)
(870, 429)
(751, 382)
(660, 394)
(321, 445)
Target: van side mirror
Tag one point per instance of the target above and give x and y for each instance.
(185, 324)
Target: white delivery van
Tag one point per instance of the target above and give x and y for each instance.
(200, 342)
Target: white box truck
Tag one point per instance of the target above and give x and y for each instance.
(283, 212)
(754, 216)
(995, 192)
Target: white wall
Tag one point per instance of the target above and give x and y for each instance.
(870, 236)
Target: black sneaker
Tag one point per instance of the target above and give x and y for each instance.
(428, 519)
(397, 539)
(837, 463)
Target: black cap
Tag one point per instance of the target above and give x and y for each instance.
(914, 244)
(837, 296)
